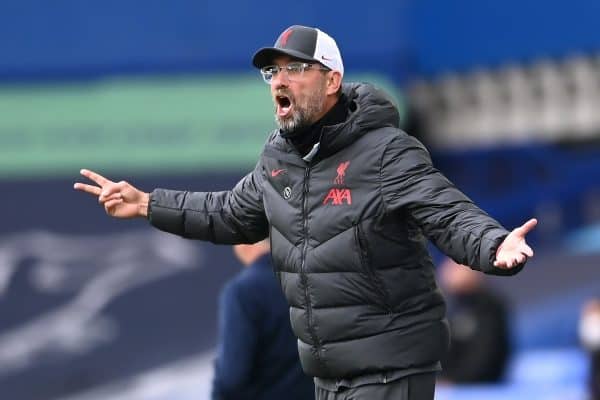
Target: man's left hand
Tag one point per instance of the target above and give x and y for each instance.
(514, 249)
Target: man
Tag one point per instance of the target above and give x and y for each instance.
(348, 200)
(479, 327)
(257, 356)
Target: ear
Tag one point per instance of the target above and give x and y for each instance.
(334, 81)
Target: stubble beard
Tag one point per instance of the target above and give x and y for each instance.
(303, 114)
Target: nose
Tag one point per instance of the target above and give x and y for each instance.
(280, 79)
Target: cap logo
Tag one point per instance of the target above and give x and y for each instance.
(326, 58)
(285, 36)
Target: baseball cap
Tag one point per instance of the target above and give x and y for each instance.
(305, 43)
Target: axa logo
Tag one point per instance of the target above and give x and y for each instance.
(337, 197)
(341, 173)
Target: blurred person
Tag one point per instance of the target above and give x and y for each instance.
(589, 335)
(257, 356)
(348, 200)
(479, 327)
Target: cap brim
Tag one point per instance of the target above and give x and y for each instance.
(266, 55)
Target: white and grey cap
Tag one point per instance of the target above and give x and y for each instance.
(304, 43)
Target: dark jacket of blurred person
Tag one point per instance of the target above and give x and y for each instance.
(257, 355)
(479, 328)
(589, 334)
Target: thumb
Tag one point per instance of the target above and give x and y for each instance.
(526, 227)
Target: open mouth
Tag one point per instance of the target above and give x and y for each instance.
(284, 105)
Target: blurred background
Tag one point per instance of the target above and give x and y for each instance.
(162, 94)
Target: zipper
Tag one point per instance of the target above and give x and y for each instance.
(375, 278)
(303, 263)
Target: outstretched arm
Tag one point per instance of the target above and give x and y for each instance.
(119, 199)
(446, 216)
(228, 217)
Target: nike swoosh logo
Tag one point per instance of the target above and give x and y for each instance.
(325, 58)
(276, 172)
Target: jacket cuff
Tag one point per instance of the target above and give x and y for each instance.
(490, 244)
(149, 208)
(164, 210)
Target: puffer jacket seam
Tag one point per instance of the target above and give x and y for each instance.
(483, 236)
(331, 238)
(189, 209)
(379, 333)
(225, 215)
(284, 237)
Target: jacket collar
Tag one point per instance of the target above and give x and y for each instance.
(369, 108)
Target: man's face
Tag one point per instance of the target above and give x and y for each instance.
(299, 102)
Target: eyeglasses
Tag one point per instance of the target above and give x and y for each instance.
(294, 70)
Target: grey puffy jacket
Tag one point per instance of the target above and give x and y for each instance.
(348, 234)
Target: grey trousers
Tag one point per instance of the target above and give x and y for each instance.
(412, 387)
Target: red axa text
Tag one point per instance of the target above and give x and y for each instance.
(337, 197)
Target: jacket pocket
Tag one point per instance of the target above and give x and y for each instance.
(374, 278)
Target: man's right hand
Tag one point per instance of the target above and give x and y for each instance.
(120, 199)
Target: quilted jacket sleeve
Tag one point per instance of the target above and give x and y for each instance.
(446, 216)
(228, 217)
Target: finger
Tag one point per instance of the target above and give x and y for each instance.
(500, 264)
(109, 190)
(91, 189)
(93, 176)
(114, 196)
(528, 251)
(109, 205)
(527, 226)
(513, 262)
